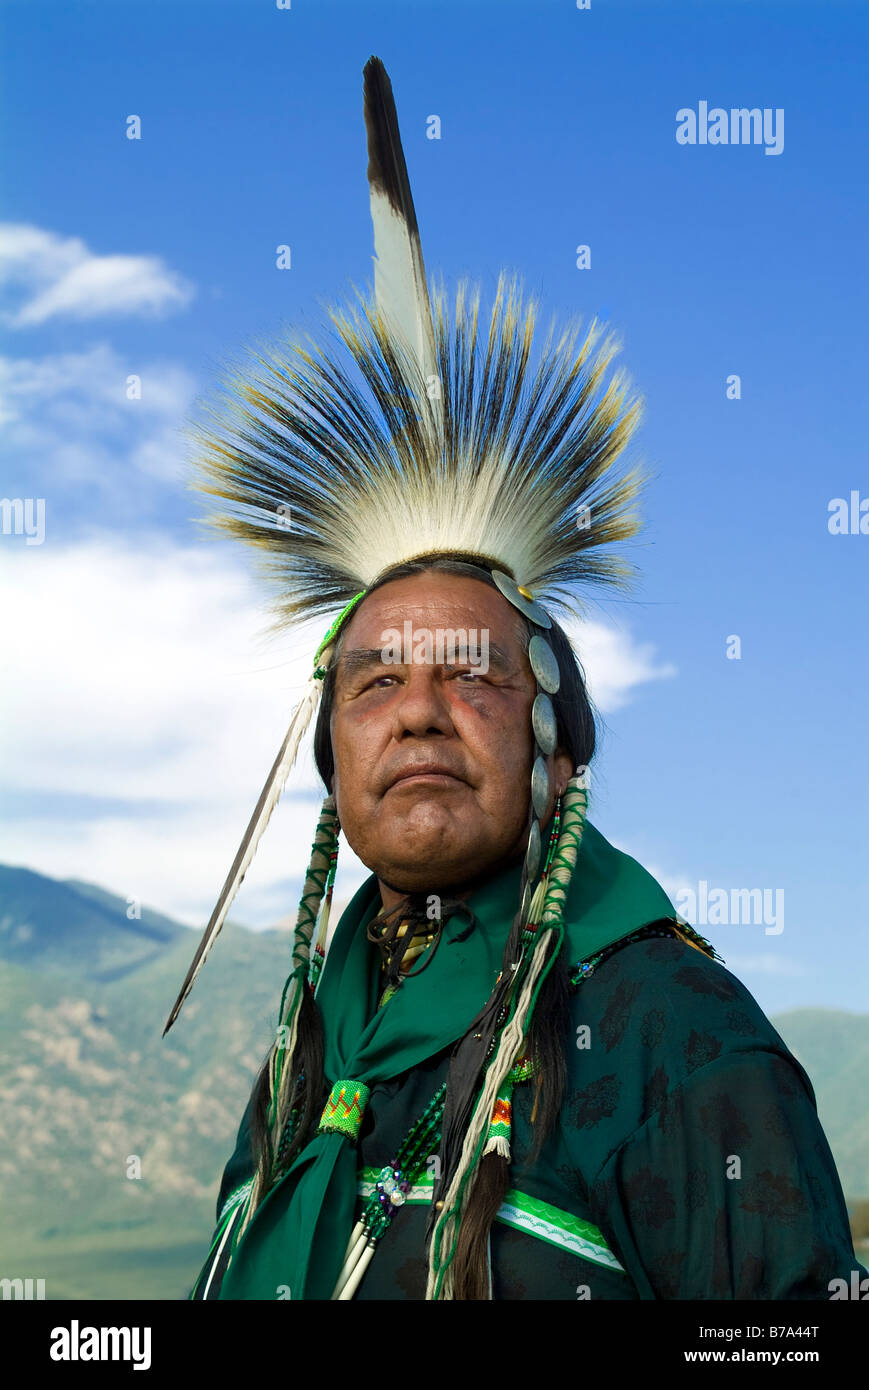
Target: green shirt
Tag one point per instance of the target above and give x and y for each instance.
(688, 1160)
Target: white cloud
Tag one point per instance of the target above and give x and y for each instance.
(61, 278)
(97, 377)
(137, 679)
(614, 664)
(67, 418)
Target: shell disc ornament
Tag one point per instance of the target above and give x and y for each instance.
(521, 599)
(544, 724)
(544, 664)
(540, 787)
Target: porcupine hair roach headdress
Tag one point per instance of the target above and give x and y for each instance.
(414, 432)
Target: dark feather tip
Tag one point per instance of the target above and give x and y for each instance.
(387, 170)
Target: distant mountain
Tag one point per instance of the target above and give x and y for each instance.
(152, 923)
(90, 1093)
(52, 925)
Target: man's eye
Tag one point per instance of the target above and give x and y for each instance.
(469, 675)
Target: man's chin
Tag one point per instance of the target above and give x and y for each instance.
(427, 829)
(428, 865)
(437, 872)
(429, 876)
(427, 850)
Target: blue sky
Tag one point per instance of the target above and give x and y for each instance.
(141, 722)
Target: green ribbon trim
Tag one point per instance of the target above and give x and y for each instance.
(520, 1211)
(529, 1214)
(237, 1195)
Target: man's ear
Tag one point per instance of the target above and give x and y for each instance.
(562, 769)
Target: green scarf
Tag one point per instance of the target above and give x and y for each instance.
(298, 1236)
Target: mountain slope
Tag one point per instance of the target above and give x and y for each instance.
(78, 928)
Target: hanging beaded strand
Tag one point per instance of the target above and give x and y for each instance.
(396, 1180)
(389, 1196)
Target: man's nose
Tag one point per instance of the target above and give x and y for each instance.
(422, 707)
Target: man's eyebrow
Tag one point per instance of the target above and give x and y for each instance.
(360, 659)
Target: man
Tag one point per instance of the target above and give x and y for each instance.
(518, 1074)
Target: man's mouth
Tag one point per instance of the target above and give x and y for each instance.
(426, 774)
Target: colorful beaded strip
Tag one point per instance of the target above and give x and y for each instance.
(320, 671)
(344, 1109)
(531, 927)
(681, 931)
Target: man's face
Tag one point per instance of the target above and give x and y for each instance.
(468, 816)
